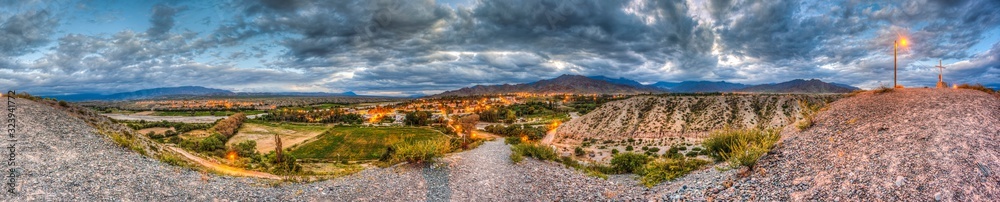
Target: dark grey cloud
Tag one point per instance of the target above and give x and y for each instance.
(163, 19)
(23, 32)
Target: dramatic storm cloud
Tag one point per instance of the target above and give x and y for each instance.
(397, 47)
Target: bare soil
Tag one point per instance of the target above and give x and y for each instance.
(264, 136)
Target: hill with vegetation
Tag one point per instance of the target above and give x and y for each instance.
(686, 116)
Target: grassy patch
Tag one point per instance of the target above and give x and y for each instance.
(741, 147)
(628, 162)
(540, 152)
(418, 151)
(354, 143)
(668, 169)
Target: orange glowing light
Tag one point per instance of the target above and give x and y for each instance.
(231, 155)
(554, 125)
(902, 41)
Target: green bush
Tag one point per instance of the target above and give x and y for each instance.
(419, 152)
(628, 162)
(512, 140)
(741, 147)
(211, 143)
(579, 151)
(654, 149)
(516, 158)
(540, 152)
(614, 151)
(246, 149)
(629, 148)
(668, 169)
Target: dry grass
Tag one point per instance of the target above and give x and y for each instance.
(978, 87)
(882, 89)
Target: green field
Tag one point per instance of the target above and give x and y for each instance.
(204, 113)
(361, 143)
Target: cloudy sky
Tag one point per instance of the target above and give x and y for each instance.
(406, 47)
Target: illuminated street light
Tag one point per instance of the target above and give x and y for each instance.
(902, 40)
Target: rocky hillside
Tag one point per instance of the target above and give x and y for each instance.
(685, 116)
(903, 145)
(573, 84)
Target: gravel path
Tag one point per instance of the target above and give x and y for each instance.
(60, 158)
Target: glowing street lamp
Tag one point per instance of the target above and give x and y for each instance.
(902, 40)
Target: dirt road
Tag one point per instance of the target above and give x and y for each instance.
(229, 170)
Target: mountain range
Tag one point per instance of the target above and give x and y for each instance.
(565, 84)
(577, 84)
(574, 84)
(182, 91)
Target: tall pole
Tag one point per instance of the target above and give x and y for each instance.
(895, 45)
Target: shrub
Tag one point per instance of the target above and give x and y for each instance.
(286, 165)
(628, 162)
(246, 149)
(807, 111)
(512, 140)
(741, 147)
(418, 152)
(629, 148)
(883, 89)
(644, 148)
(174, 139)
(746, 154)
(569, 162)
(516, 158)
(579, 151)
(654, 149)
(614, 151)
(64, 104)
(539, 152)
(668, 169)
(211, 143)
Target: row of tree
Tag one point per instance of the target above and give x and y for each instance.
(324, 116)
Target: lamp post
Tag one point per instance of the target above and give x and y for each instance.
(894, 60)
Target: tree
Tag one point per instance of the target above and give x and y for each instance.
(468, 123)
(277, 148)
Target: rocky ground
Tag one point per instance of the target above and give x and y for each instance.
(905, 145)
(60, 158)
